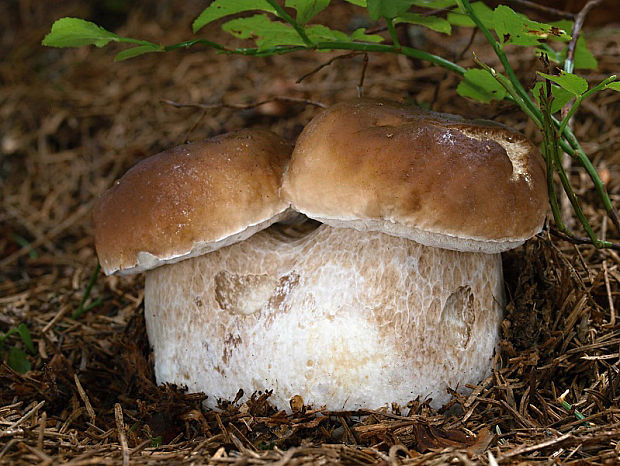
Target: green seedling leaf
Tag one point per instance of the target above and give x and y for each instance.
(24, 334)
(320, 33)
(75, 32)
(265, 32)
(18, 360)
(388, 9)
(480, 85)
(517, 29)
(137, 51)
(615, 86)
(361, 3)
(307, 9)
(360, 35)
(574, 84)
(221, 8)
(434, 23)
(481, 10)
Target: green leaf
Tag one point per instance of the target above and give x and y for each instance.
(75, 32)
(18, 360)
(320, 33)
(220, 8)
(615, 86)
(360, 35)
(388, 9)
(574, 84)
(137, 51)
(265, 32)
(536, 92)
(560, 98)
(25, 336)
(481, 10)
(307, 9)
(514, 28)
(361, 3)
(480, 85)
(584, 60)
(432, 22)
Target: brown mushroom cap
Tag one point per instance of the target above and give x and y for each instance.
(190, 200)
(434, 178)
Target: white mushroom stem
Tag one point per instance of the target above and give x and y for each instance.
(346, 319)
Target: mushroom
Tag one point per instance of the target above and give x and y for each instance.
(396, 294)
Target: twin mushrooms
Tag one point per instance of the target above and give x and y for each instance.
(388, 287)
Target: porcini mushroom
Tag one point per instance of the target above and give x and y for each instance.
(397, 294)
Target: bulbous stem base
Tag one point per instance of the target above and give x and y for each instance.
(343, 318)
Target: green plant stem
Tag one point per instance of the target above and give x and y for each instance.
(577, 151)
(407, 51)
(502, 57)
(506, 84)
(516, 92)
(390, 26)
(581, 98)
(286, 17)
(189, 43)
(547, 148)
(553, 153)
(566, 131)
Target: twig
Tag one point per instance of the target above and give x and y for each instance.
(612, 310)
(569, 63)
(246, 106)
(84, 396)
(24, 418)
(195, 125)
(579, 239)
(42, 426)
(57, 230)
(327, 63)
(120, 427)
(360, 84)
(469, 44)
(543, 9)
(59, 315)
(530, 448)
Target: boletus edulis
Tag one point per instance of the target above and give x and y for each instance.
(392, 291)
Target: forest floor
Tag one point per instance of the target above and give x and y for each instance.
(73, 121)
